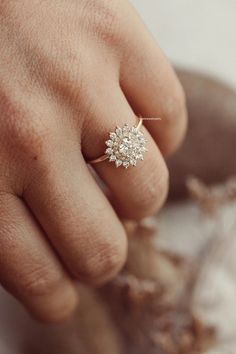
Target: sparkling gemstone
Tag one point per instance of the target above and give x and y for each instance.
(109, 151)
(109, 143)
(119, 132)
(133, 162)
(118, 163)
(126, 146)
(126, 164)
(113, 136)
(112, 158)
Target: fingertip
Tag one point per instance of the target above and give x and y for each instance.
(56, 307)
(109, 259)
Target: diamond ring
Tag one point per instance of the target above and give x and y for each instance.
(125, 147)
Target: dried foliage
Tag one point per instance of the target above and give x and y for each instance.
(212, 198)
(154, 312)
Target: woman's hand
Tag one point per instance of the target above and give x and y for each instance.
(70, 71)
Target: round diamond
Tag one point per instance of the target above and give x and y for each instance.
(109, 151)
(126, 146)
(109, 143)
(118, 163)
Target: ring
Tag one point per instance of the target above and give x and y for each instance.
(125, 147)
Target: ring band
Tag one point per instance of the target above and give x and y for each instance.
(125, 147)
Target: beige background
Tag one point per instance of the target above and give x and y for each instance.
(199, 34)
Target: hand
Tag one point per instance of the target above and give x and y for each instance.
(70, 71)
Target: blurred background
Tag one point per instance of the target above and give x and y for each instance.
(195, 34)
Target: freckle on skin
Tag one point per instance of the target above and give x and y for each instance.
(35, 158)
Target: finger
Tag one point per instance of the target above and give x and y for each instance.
(78, 219)
(152, 88)
(138, 191)
(28, 267)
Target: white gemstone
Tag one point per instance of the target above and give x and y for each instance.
(126, 146)
(123, 149)
(133, 162)
(126, 164)
(109, 143)
(112, 158)
(118, 163)
(109, 151)
(113, 136)
(119, 131)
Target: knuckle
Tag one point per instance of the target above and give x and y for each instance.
(64, 71)
(56, 309)
(104, 264)
(29, 135)
(40, 282)
(106, 20)
(22, 129)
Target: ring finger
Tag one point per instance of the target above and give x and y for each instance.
(137, 192)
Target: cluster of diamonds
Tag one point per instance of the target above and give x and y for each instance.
(126, 146)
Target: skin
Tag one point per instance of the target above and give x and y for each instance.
(70, 71)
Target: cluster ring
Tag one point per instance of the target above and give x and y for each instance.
(125, 146)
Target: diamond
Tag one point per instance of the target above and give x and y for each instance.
(112, 158)
(126, 146)
(133, 162)
(109, 143)
(113, 136)
(118, 163)
(126, 164)
(119, 131)
(109, 151)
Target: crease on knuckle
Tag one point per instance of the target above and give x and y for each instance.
(41, 282)
(30, 136)
(63, 73)
(105, 263)
(105, 21)
(22, 129)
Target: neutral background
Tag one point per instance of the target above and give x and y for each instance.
(198, 34)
